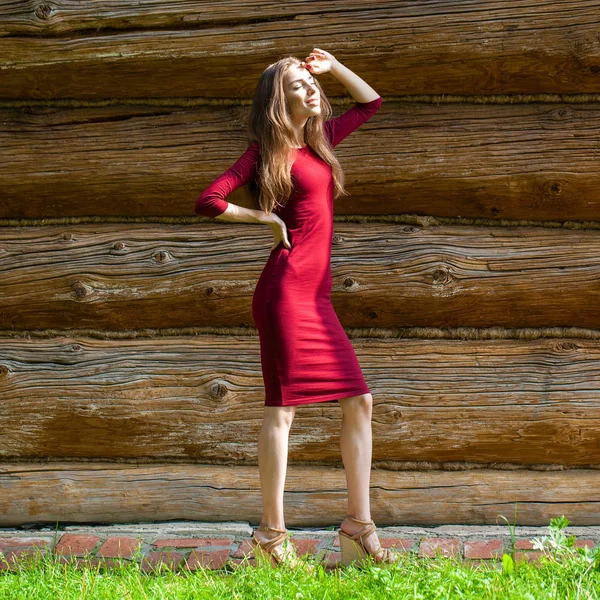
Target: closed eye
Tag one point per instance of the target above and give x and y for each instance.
(298, 87)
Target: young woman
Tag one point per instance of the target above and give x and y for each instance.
(306, 356)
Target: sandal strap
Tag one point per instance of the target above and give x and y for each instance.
(267, 528)
(381, 554)
(278, 554)
(358, 520)
(361, 535)
(364, 532)
(271, 544)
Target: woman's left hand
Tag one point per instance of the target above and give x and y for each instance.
(319, 61)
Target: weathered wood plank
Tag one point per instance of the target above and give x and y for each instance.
(530, 161)
(219, 49)
(201, 398)
(315, 496)
(128, 276)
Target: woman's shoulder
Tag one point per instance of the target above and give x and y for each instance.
(254, 149)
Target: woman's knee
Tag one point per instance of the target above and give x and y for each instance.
(279, 416)
(360, 406)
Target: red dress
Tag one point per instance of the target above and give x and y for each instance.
(306, 355)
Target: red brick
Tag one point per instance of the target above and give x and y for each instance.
(15, 543)
(245, 549)
(523, 545)
(76, 545)
(87, 562)
(83, 563)
(332, 560)
(247, 561)
(403, 544)
(209, 559)
(7, 565)
(434, 546)
(485, 563)
(64, 559)
(22, 555)
(119, 547)
(305, 546)
(532, 556)
(102, 563)
(582, 543)
(192, 542)
(484, 549)
(336, 540)
(156, 560)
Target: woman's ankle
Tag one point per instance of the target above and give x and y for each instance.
(364, 518)
(271, 529)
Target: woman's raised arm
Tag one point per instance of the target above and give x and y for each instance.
(366, 100)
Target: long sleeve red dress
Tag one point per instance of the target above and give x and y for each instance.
(306, 356)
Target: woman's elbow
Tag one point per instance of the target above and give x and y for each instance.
(207, 206)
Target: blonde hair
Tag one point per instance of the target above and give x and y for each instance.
(270, 125)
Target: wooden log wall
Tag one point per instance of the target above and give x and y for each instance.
(465, 262)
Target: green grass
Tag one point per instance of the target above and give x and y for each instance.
(564, 572)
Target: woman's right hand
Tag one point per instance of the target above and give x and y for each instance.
(279, 229)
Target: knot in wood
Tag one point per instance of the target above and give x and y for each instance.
(43, 11)
(336, 239)
(565, 346)
(67, 236)
(373, 314)
(161, 256)
(210, 291)
(410, 229)
(442, 276)
(556, 188)
(80, 289)
(75, 348)
(218, 390)
(595, 69)
(349, 282)
(119, 246)
(4, 371)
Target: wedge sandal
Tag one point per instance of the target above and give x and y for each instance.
(353, 547)
(274, 552)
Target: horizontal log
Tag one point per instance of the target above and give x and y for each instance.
(201, 398)
(530, 161)
(442, 47)
(314, 496)
(128, 276)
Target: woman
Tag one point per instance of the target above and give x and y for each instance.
(306, 356)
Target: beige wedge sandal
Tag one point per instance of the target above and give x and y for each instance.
(276, 551)
(353, 546)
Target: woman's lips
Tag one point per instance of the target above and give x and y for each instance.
(313, 103)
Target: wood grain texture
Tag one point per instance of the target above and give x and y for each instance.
(219, 49)
(314, 496)
(201, 398)
(130, 276)
(530, 161)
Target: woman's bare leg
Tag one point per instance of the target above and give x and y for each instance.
(357, 448)
(272, 464)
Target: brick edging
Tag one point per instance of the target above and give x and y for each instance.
(210, 550)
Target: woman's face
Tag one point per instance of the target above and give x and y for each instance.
(301, 92)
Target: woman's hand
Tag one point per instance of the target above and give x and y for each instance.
(319, 61)
(279, 228)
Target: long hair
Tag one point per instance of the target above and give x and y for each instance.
(270, 125)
